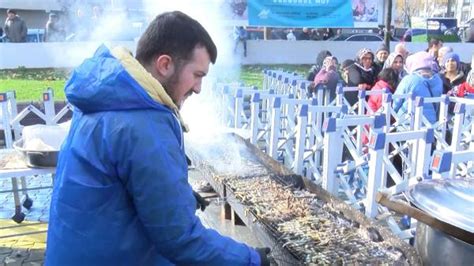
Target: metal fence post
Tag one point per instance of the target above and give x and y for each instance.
(254, 121)
(374, 182)
(332, 155)
(301, 139)
(48, 101)
(239, 108)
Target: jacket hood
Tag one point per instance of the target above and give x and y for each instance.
(113, 80)
(428, 77)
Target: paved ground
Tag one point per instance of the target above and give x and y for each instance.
(25, 243)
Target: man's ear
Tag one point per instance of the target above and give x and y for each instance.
(164, 66)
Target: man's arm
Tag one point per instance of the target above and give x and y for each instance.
(6, 28)
(154, 169)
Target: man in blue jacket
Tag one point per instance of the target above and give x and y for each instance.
(121, 194)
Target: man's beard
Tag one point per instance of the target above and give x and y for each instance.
(170, 84)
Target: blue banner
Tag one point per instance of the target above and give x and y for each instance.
(300, 13)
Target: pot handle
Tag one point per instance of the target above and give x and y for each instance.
(403, 208)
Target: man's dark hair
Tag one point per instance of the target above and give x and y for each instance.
(13, 11)
(433, 42)
(174, 34)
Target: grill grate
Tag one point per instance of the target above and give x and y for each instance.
(309, 224)
(312, 230)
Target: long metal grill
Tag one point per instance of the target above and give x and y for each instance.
(308, 227)
(312, 230)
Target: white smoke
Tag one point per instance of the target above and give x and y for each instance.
(204, 113)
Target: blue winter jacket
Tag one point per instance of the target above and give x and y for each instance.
(121, 194)
(420, 85)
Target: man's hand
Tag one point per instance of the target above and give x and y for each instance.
(201, 203)
(264, 252)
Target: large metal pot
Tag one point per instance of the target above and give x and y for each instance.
(438, 248)
(36, 158)
(450, 201)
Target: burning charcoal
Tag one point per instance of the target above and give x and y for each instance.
(374, 235)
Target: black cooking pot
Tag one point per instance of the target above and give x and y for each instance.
(37, 158)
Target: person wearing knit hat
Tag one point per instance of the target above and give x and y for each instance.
(452, 75)
(380, 56)
(382, 53)
(442, 52)
(421, 81)
(451, 56)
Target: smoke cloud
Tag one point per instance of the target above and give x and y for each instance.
(204, 113)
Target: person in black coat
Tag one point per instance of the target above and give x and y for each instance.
(361, 74)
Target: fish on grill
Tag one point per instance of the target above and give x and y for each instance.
(305, 221)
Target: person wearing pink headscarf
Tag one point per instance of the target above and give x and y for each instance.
(328, 76)
(421, 81)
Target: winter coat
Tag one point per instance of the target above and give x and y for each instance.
(448, 85)
(420, 85)
(15, 29)
(357, 75)
(465, 89)
(121, 194)
(329, 78)
(375, 100)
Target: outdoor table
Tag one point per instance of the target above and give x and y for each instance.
(13, 166)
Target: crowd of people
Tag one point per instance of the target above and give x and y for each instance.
(437, 70)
